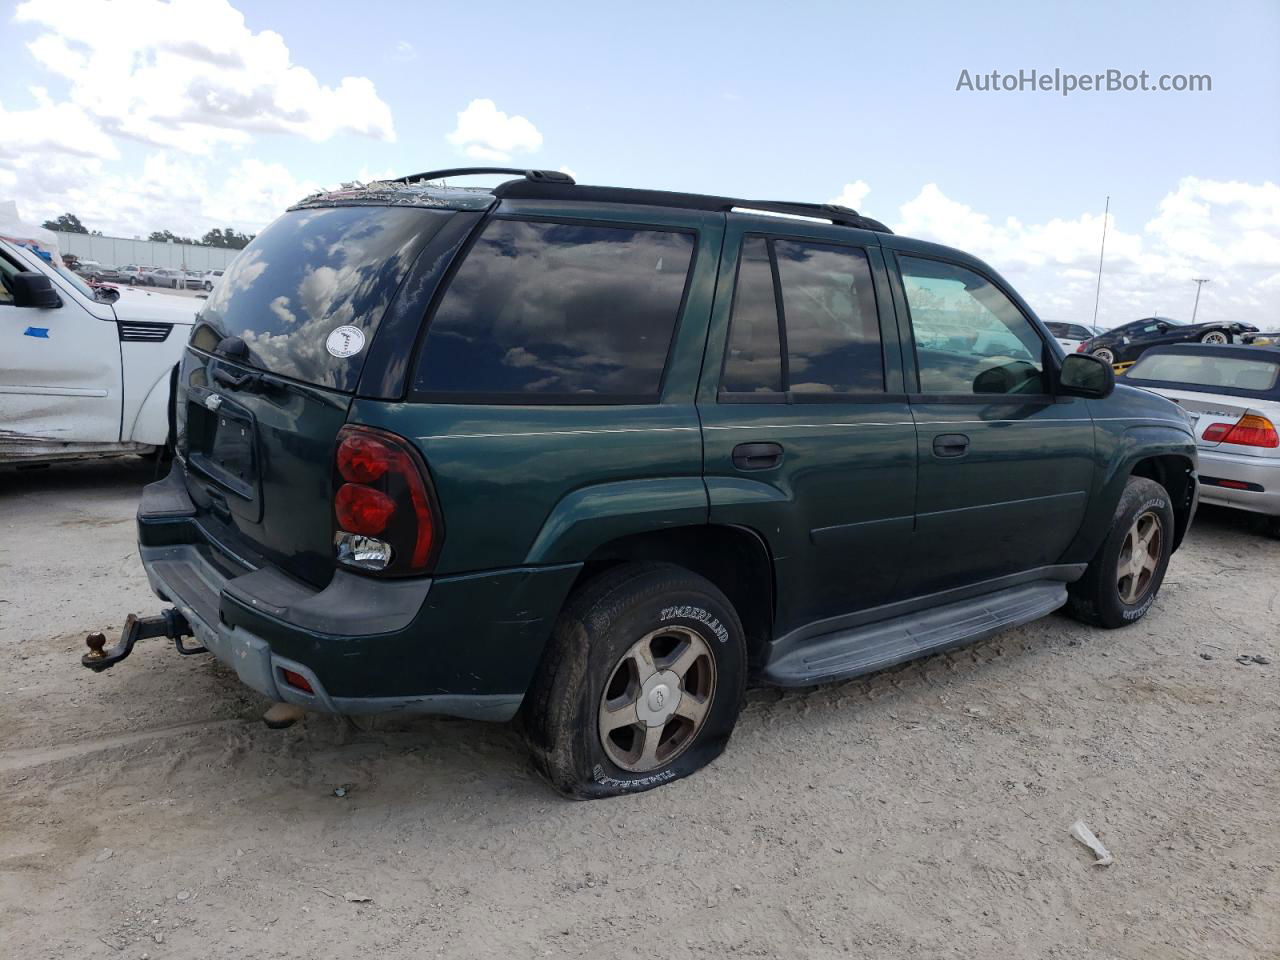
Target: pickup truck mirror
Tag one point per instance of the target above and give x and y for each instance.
(1085, 375)
(31, 289)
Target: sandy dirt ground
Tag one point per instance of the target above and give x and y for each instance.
(922, 812)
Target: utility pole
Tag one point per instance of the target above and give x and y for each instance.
(1098, 294)
(1199, 282)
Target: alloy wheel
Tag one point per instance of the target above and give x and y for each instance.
(1139, 557)
(1214, 336)
(1105, 355)
(657, 699)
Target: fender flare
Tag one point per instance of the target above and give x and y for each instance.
(1134, 444)
(594, 515)
(154, 423)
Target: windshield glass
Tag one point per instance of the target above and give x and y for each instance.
(307, 294)
(1234, 373)
(76, 282)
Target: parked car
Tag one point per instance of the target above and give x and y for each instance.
(165, 277)
(1233, 395)
(88, 371)
(1263, 338)
(86, 268)
(105, 274)
(209, 279)
(134, 275)
(1071, 335)
(559, 452)
(1129, 341)
(193, 279)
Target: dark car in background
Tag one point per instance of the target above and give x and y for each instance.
(1127, 342)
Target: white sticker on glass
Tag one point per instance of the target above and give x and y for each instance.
(345, 341)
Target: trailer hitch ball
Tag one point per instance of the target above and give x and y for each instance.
(96, 642)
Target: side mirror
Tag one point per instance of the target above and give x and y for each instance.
(32, 289)
(1084, 375)
(1162, 327)
(107, 294)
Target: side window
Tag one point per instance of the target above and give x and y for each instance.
(754, 360)
(829, 314)
(7, 269)
(827, 320)
(970, 338)
(545, 310)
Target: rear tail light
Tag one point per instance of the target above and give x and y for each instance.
(1250, 431)
(1080, 346)
(385, 515)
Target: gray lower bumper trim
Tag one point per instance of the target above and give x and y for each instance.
(257, 667)
(495, 707)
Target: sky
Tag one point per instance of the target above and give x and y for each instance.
(141, 115)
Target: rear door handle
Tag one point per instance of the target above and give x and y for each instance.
(948, 445)
(757, 456)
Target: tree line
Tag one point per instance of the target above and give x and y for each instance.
(228, 238)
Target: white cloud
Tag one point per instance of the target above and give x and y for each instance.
(54, 127)
(188, 77)
(191, 75)
(1229, 231)
(187, 195)
(853, 194)
(486, 133)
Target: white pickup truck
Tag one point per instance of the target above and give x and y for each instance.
(83, 373)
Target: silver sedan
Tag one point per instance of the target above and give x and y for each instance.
(1232, 393)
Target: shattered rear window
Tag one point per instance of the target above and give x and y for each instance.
(299, 290)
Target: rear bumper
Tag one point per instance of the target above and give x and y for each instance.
(1256, 471)
(463, 646)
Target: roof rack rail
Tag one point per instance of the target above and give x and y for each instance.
(841, 216)
(539, 189)
(537, 176)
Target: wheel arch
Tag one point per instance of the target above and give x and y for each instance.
(736, 559)
(1158, 452)
(1176, 472)
(154, 421)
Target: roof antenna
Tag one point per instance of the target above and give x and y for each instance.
(1102, 252)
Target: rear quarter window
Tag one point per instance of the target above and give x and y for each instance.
(558, 312)
(309, 273)
(1242, 374)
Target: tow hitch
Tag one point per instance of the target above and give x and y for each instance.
(170, 623)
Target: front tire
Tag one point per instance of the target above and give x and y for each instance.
(1124, 577)
(1105, 354)
(641, 682)
(1216, 336)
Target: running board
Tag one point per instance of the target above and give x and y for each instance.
(875, 646)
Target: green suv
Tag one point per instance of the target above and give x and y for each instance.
(595, 458)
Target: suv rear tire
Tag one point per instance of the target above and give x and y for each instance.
(1122, 580)
(649, 643)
